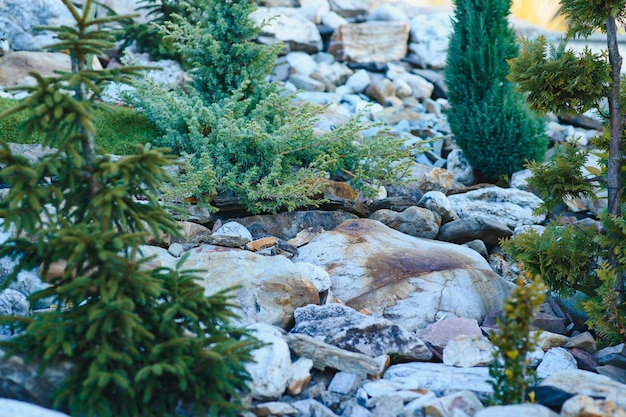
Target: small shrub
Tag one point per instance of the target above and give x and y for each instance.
(516, 339)
(242, 136)
(489, 119)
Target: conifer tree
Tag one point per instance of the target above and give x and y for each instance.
(489, 119)
(144, 341)
(559, 79)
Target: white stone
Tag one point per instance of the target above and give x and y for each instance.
(300, 375)
(430, 34)
(269, 288)
(554, 361)
(420, 87)
(358, 82)
(577, 381)
(519, 179)
(466, 351)
(460, 167)
(316, 274)
(15, 408)
(439, 377)
(388, 13)
(287, 25)
(333, 20)
(271, 366)
(510, 206)
(517, 410)
(314, 9)
(549, 340)
(301, 62)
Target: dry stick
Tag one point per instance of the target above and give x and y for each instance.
(615, 152)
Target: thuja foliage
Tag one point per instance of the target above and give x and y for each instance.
(143, 341)
(515, 340)
(241, 134)
(559, 79)
(489, 119)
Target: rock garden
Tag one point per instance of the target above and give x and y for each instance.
(314, 222)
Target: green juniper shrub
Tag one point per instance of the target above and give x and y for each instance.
(559, 79)
(515, 340)
(244, 137)
(489, 119)
(144, 341)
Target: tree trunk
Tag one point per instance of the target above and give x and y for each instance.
(615, 148)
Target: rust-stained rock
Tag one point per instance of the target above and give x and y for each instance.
(370, 42)
(269, 289)
(409, 280)
(260, 244)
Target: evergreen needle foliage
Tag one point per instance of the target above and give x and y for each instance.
(489, 119)
(515, 341)
(143, 341)
(572, 258)
(241, 135)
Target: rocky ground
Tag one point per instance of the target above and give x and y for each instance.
(374, 308)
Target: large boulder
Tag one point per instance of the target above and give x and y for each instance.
(411, 281)
(370, 42)
(269, 289)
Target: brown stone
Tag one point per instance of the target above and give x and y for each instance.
(370, 42)
(260, 244)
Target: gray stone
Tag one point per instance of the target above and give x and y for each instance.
(231, 234)
(347, 329)
(306, 83)
(615, 373)
(387, 13)
(288, 225)
(437, 202)
(554, 361)
(388, 406)
(466, 351)
(414, 221)
(488, 229)
(480, 247)
(14, 408)
(312, 408)
(13, 303)
(274, 408)
(439, 378)
(22, 382)
(328, 356)
(343, 383)
(409, 280)
(460, 167)
(301, 62)
(517, 410)
(510, 206)
(420, 88)
(18, 19)
(584, 341)
(270, 368)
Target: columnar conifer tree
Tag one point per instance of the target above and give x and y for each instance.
(489, 119)
(144, 341)
(559, 79)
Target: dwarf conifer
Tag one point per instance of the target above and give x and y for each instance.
(489, 119)
(144, 341)
(560, 79)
